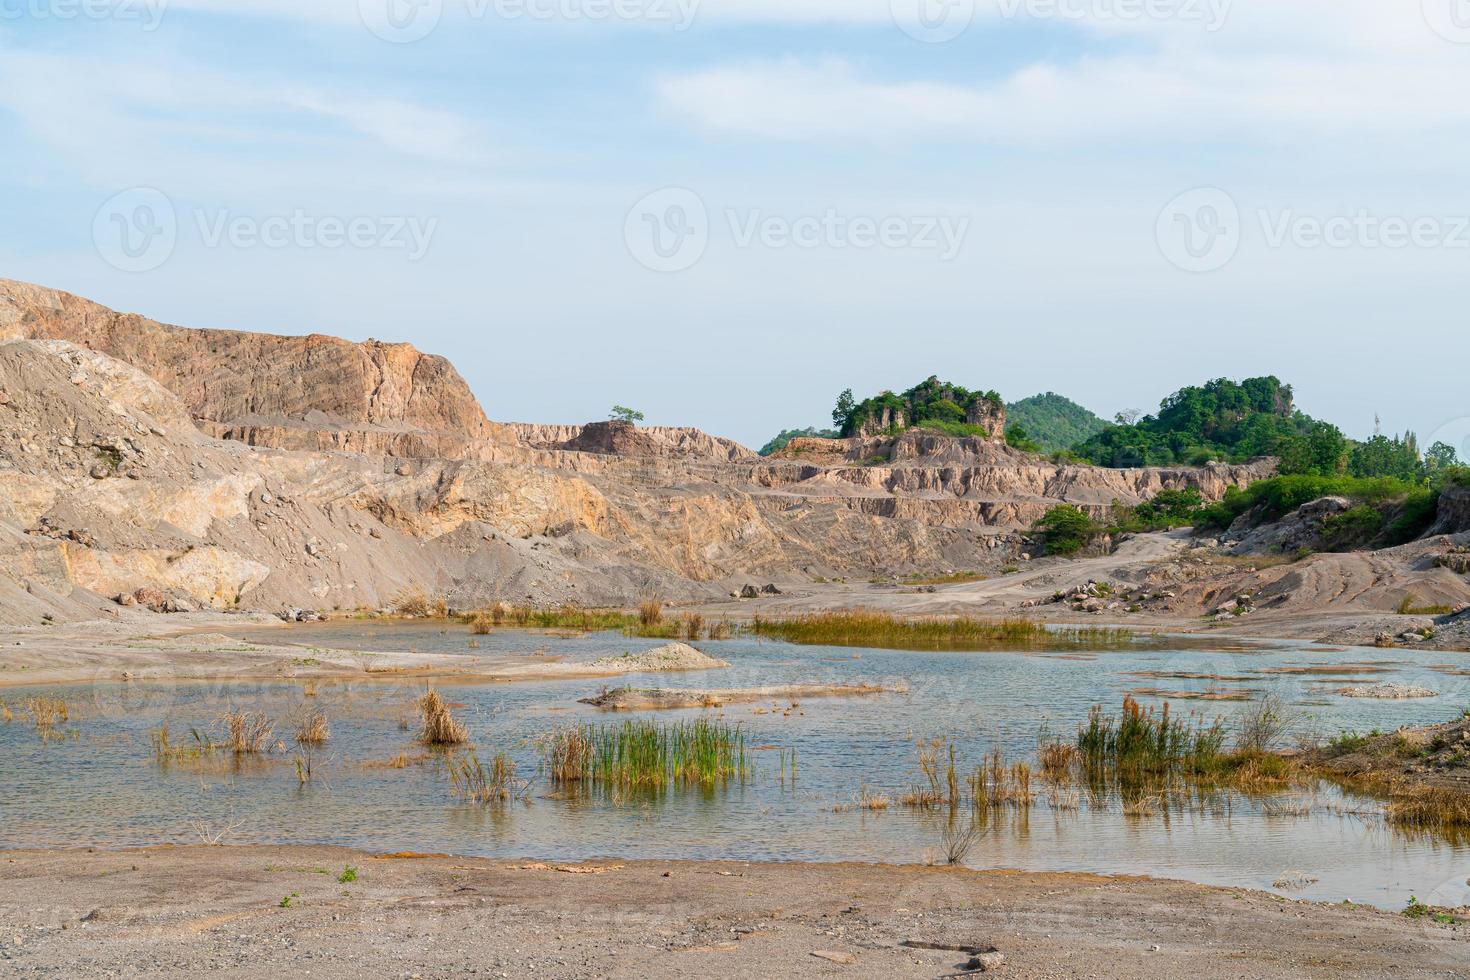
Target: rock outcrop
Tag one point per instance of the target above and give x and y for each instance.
(313, 393)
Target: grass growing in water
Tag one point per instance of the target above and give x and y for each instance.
(1143, 744)
(47, 712)
(476, 783)
(867, 628)
(439, 726)
(645, 755)
(247, 732)
(313, 729)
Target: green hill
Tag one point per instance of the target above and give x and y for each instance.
(1223, 420)
(1054, 421)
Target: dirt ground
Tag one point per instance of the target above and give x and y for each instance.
(144, 646)
(205, 646)
(224, 912)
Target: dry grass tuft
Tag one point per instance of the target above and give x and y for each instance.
(439, 726)
(1058, 760)
(1430, 808)
(313, 729)
(47, 712)
(650, 613)
(247, 732)
(414, 601)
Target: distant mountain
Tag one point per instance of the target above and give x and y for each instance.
(1054, 421)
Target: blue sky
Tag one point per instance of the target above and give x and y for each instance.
(1105, 198)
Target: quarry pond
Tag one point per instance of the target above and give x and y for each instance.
(820, 778)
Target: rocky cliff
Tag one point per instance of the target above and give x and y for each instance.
(229, 470)
(314, 392)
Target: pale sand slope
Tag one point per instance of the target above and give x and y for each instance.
(215, 912)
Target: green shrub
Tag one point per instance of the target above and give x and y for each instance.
(1065, 530)
(1353, 528)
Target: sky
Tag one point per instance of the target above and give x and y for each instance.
(724, 212)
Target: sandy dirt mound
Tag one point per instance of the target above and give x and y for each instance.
(670, 657)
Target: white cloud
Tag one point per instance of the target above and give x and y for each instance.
(1172, 94)
(109, 114)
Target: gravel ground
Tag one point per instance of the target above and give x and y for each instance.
(283, 912)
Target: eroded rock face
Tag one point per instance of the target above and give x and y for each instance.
(315, 392)
(1454, 511)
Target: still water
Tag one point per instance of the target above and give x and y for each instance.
(96, 780)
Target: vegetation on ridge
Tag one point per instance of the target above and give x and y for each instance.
(932, 404)
(1054, 422)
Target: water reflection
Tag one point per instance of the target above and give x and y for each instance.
(97, 779)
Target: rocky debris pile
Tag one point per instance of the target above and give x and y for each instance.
(1457, 560)
(1301, 529)
(1406, 638)
(1242, 604)
(749, 591)
(1097, 597)
(301, 616)
(1388, 691)
(155, 600)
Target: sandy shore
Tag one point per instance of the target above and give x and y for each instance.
(206, 647)
(218, 912)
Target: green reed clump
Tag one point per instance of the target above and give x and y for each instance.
(1145, 741)
(477, 783)
(868, 628)
(643, 755)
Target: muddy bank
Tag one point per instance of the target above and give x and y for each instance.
(642, 699)
(1409, 760)
(286, 911)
